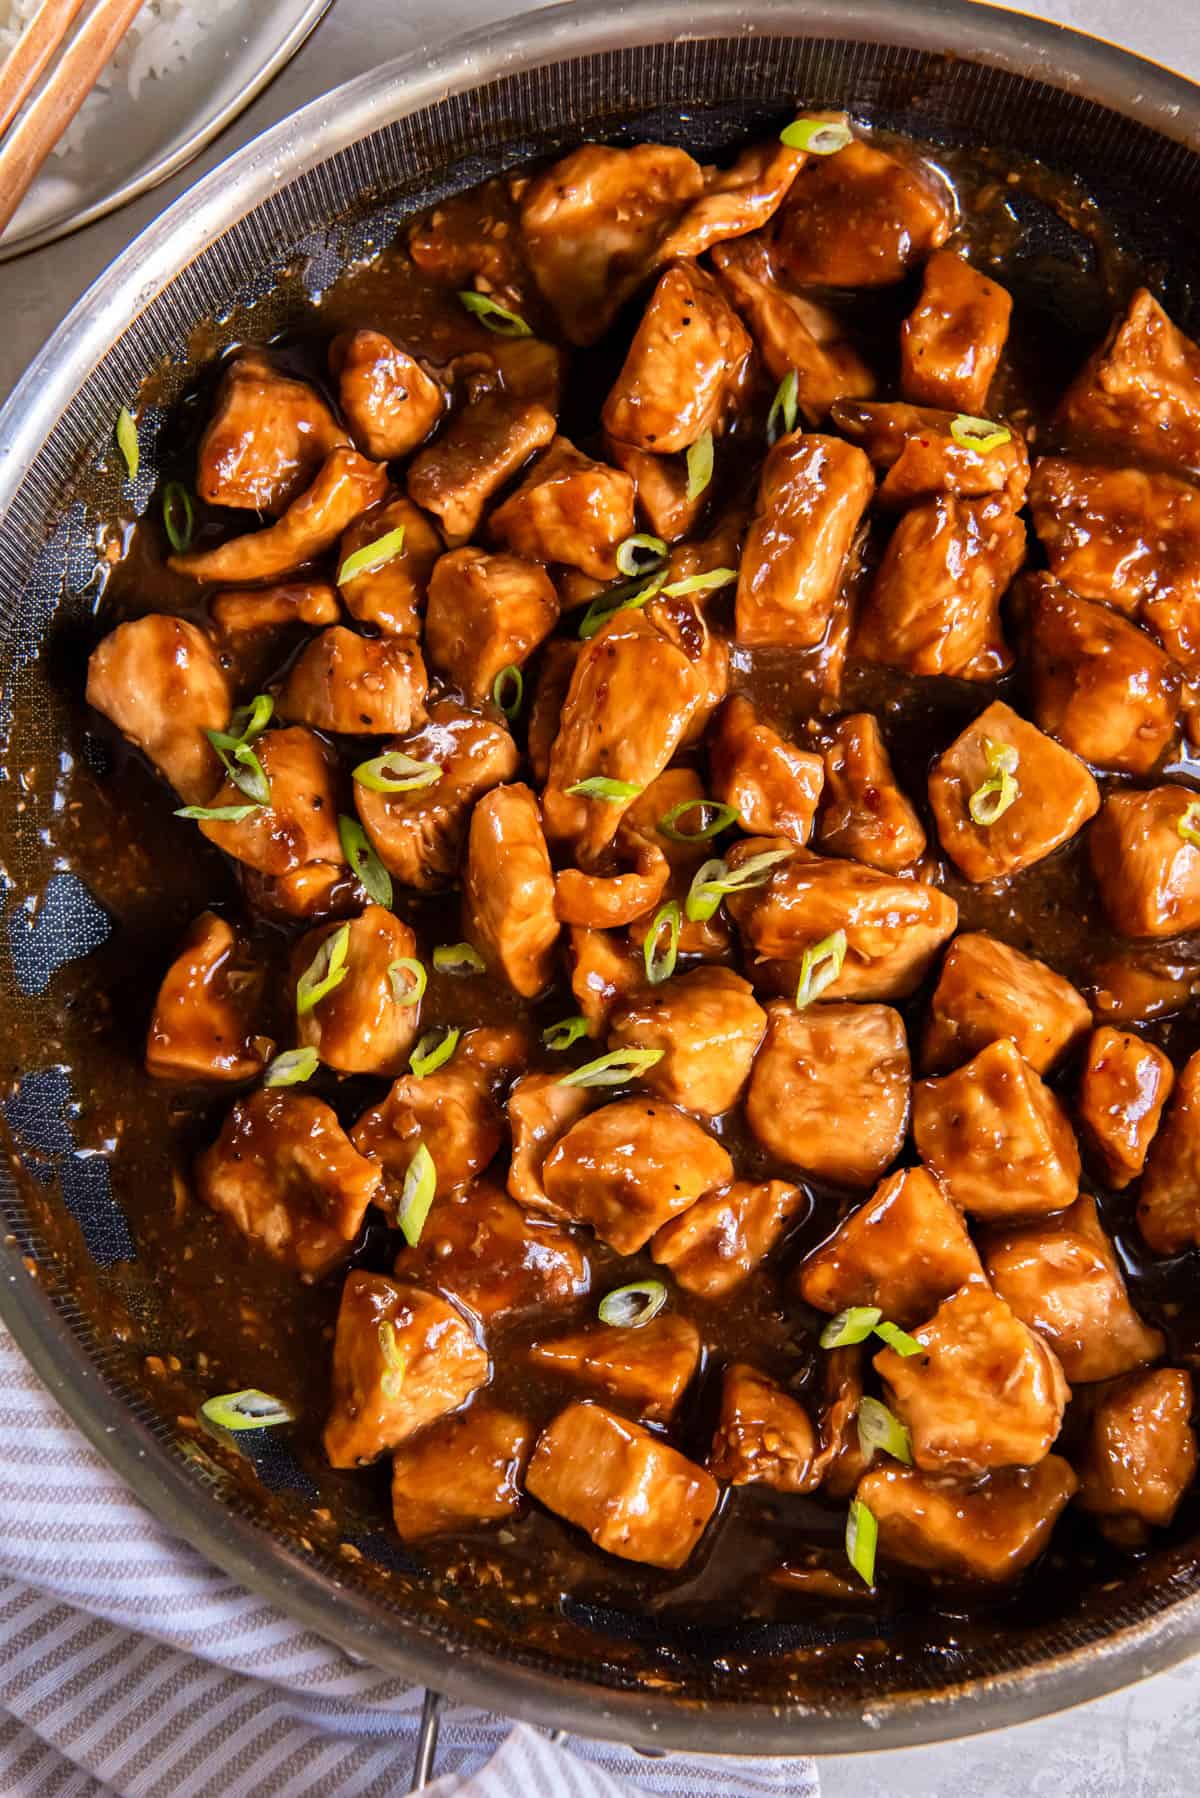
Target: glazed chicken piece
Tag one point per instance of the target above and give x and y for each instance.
(986, 1391)
(356, 686)
(244, 611)
(922, 458)
(829, 1090)
(391, 596)
(314, 892)
(485, 614)
(951, 343)
(1054, 796)
(683, 621)
(299, 826)
(452, 1111)
(764, 1437)
(344, 486)
(660, 489)
(1146, 863)
(987, 990)
(812, 494)
(388, 400)
(555, 666)
(629, 1167)
(1140, 1456)
(481, 1251)
(202, 1026)
(708, 939)
(1140, 390)
(470, 237)
(904, 1251)
(707, 1025)
(476, 455)
(864, 815)
(285, 1172)
(418, 835)
(365, 1025)
(568, 509)
(402, 1358)
(1124, 1085)
(508, 890)
(605, 967)
(525, 367)
(1132, 987)
(645, 1368)
(685, 366)
(461, 1472)
(997, 1137)
(158, 679)
(632, 1493)
(606, 901)
(266, 440)
(540, 1110)
(1168, 1211)
(735, 200)
(992, 1529)
(771, 784)
(841, 1460)
(861, 218)
(934, 606)
(720, 1240)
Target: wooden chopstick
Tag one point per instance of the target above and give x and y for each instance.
(51, 110)
(37, 44)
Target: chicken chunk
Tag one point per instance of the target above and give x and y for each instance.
(481, 449)
(684, 622)
(764, 1437)
(568, 509)
(632, 1493)
(991, 1529)
(718, 1242)
(1140, 390)
(299, 825)
(285, 1173)
(905, 1251)
(555, 666)
(528, 368)
(830, 1088)
(934, 606)
(985, 1392)
(923, 458)
(660, 489)
(266, 440)
(452, 1111)
(1133, 987)
(1168, 1212)
(646, 1368)
(1146, 867)
(841, 1460)
(254, 612)
(508, 890)
(158, 679)
(391, 596)
(1124, 1085)
(606, 901)
(686, 362)
(864, 815)
(604, 969)
(540, 1110)
(951, 343)
(485, 614)
(402, 1358)
(202, 1027)
(356, 686)
(860, 218)
(365, 1025)
(1140, 1456)
(1101, 686)
(987, 990)
(388, 400)
(461, 1472)
(735, 200)
(771, 784)
(1054, 796)
(345, 485)
(478, 1249)
(812, 494)
(629, 1167)
(708, 939)
(707, 1025)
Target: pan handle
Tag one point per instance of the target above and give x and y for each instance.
(427, 1741)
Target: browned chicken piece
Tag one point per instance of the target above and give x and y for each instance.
(862, 217)
(990, 1529)
(388, 400)
(934, 606)
(364, 1026)
(1132, 988)
(472, 235)
(556, 664)
(985, 1392)
(708, 939)
(686, 363)
(315, 891)
(243, 611)
(830, 1088)
(1168, 1211)
(893, 928)
(461, 1472)
(1101, 686)
(683, 621)
(1140, 390)
(300, 824)
(905, 1251)
(987, 990)
(841, 1460)
(540, 1110)
(202, 1026)
(997, 1137)
(285, 1172)
(660, 488)
(916, 446)
(402, 1358)
(568, 509)
(1124, 1085)
(771, 784)
(159, 680)
(478, 453)
(1146, 867)
(1140, 1456)
(629, 1167)
(357, 686)
(418, 835)
(526, 367)
(508, 890)
(267, 438)
(864, 815)
(764, 1437)
(392, 596)
(605, 967)
(632, 1493)
(645, 1368)
(452, 1111)
(1053, 799)
(812, 494)
(479, 1249)
(735, 200)
(345, 485)
(720, 1240)
(486, 613)
(951, 343)
(1063, 1279)
(606, 901)
(707, 1025)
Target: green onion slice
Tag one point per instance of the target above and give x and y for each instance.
(820, 966)
(127, 441)
(713, 879)
(783, 407)
(179, 517)
(614, 1069)
(416, 1195)
(699, 466)
(396, 772)
(433, 1051)
(854, 1325)
(599, 786)
(629, 1307)
(820, 137)
(217, 814)
(980, 434)
(292, 1068)
(250, 721)
(640, 554)
(862, 1536)
(701, 583)
(372, 556)
(660, 957)
(325, 971)
(1187, 824)
(992, 797)
(560, 1036)
(412, 991)
(626, 596)
(363, 860)
(458, 958)
(509, 678)
(899, 1339)
(249, 1409)
(880, 1428)
(496, 317)
(714, 818)
(233, 747)
(395, 1361)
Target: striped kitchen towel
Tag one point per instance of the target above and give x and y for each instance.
(130, 1666)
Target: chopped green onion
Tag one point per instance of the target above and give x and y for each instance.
(880, 1428)
(820, 966)
(179, 518)
(560, 1036)
(416, 1195)
(599, 786)
(980, 434)
(408, 994)
(700, 583)
(660, 962)
(899, 1339)
(292, 1068)
(249, 1409)
(433, 1051)
(217, 814)
(407, 774)
(509, 677)
(783, 406)
(233, 747)
(722, 817)
(820, 137)
(458, 958)
(614, 1069)
(992, 797)
(127, 441)
(854, 1325)
(325, 971)
(363, 860)
(629, 1307)
(630, 552)
(395, 1362)
(713, 879)
(372, 556)
(250, 721)
(699, 466)
(626, 596)
(1187, 825)
(496, 317)
(862, 1535)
